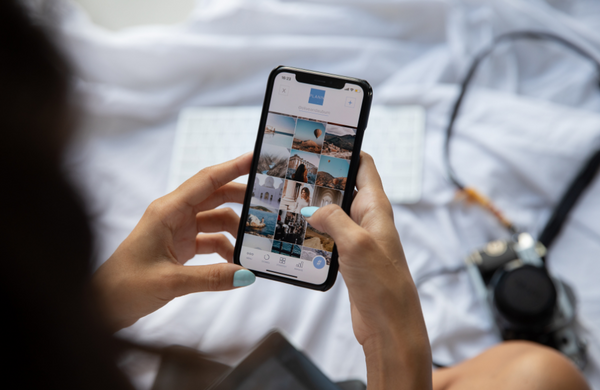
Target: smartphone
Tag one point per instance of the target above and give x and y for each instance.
(306, 154)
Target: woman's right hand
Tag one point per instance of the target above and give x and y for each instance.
(386, 313)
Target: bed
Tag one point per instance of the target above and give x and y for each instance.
(529, 121)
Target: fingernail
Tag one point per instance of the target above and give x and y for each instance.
(243, 278)
(308, 211)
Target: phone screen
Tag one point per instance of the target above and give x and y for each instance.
(305, 157)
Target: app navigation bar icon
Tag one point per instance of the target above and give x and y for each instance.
(319, 262)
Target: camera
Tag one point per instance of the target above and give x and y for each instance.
(525, 300)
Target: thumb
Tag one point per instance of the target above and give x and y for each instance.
(213, 277)
(334, 221)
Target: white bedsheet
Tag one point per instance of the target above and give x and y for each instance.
(531, 119)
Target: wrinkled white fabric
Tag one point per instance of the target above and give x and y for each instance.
(530, 120)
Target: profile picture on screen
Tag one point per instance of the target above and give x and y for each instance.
(333, 172)
(291, 227)
(309, 136)
(324, 196)
(317, 239)
(279, 130)
(257, 242)
(303, 166)
(273, 160)
(296, 195)
(339, 141)
(267, 191)
(261, 221)
(285, 248)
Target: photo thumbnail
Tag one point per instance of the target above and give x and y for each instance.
(261, 221)
(303, 166)
(257, 242)
(285, 248)
(317, 239)
(339, 141)
(309, 136)
(267, 191)
(324, 196)
(290, 227)
(273, 160)
(296, 195)
(333, 172)
(279, 130)
(309, 254)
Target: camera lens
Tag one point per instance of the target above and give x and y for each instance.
(526, 295)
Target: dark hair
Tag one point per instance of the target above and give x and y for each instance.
(299, 174)
(306, 190)
(50, 324)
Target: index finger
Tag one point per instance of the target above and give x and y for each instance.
(371, 195)
(204, 183)
(367, 176)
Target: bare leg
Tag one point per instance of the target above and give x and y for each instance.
(511, 366)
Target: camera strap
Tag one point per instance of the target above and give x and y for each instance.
(563, 208)
(577, 186)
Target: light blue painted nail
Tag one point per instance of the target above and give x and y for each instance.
(243, 278)
(308, 211)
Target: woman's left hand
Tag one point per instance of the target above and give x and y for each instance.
(146, 271)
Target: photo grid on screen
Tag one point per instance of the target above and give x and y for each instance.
(302, 162)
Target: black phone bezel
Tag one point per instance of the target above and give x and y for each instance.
(324, 80)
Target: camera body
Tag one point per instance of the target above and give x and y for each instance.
(526, 302)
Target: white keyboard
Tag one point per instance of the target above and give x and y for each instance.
(394, 137)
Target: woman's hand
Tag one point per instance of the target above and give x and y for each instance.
(146, 271)
(386, 313)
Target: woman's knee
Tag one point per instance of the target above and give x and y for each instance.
(513, 365)
(541, 367)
